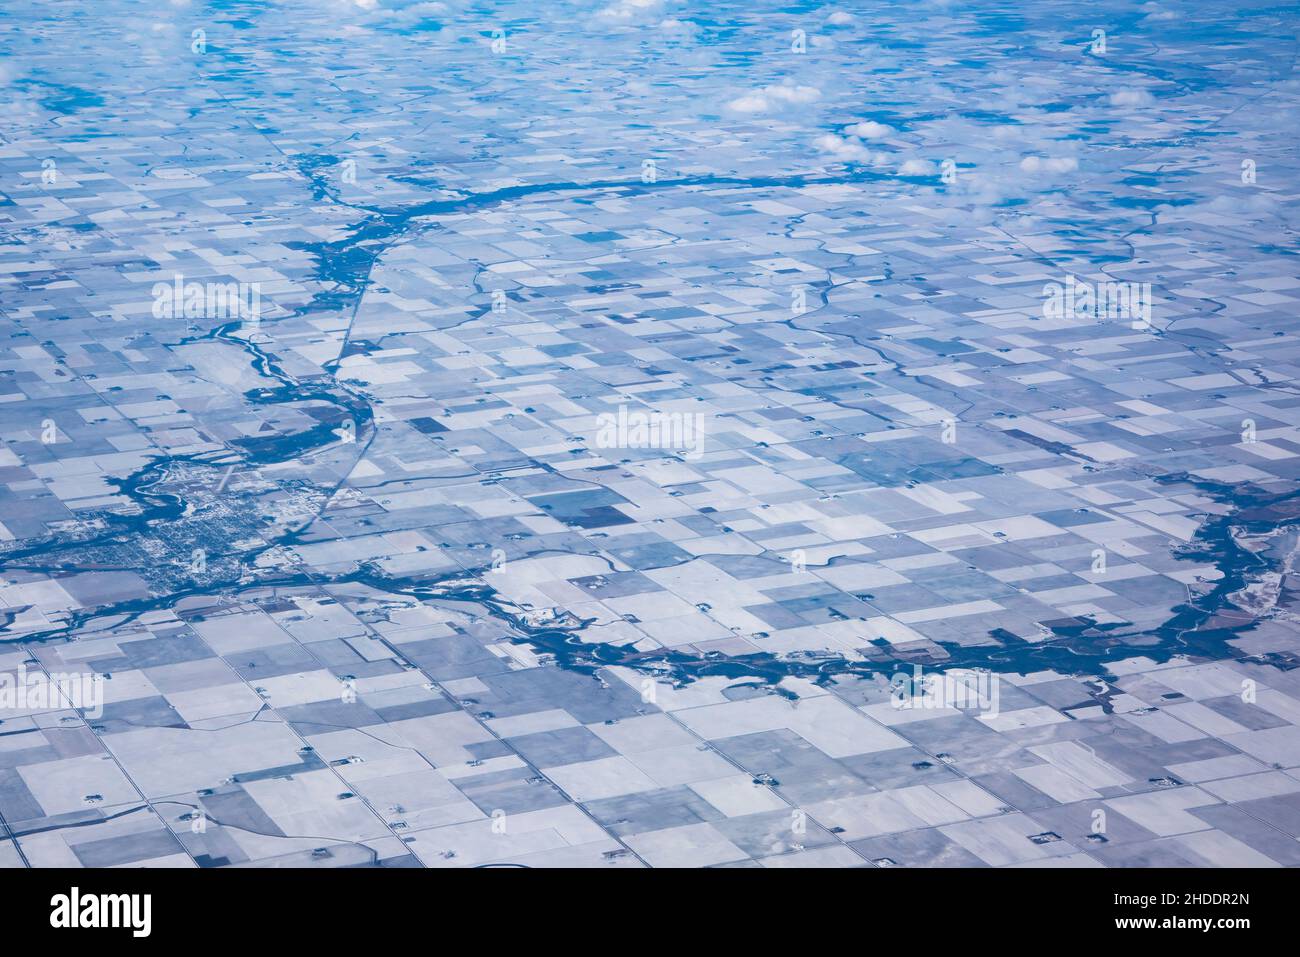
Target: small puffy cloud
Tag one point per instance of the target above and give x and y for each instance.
(1049, 164)
(749, 103)
(400, 13)
(625, 11)
(1155, 12)
(1243, 206)
(679, 27)
(916, 167)
(840, 19)
(1131, 98)
(774, 97)
(793, 94)
(869, 130)
(844, 149)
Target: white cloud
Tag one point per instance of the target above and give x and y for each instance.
(1155, 12)
(673, 25)
(839, 18)
(1239, 205)
(869, 130)
(400, 13)
(628, 10)
(1049, 164)
(845, 149)
(916, 167)
(1131, 98)
(771, 97)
